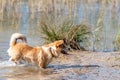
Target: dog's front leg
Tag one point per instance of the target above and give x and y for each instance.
(42, 65)
(15, 60)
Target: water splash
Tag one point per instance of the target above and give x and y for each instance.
(9, 64)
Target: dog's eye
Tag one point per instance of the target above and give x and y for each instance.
(62, 46)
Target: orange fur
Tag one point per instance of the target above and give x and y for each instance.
(41, 56)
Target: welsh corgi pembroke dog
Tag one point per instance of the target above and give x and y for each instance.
(40, 56)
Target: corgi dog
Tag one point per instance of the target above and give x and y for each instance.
(41, 56)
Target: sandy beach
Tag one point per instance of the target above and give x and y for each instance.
(78, 65)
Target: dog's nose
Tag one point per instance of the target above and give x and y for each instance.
(68, 49)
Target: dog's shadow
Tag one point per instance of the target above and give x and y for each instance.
(65, 66)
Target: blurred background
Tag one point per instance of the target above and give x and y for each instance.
(24, 16)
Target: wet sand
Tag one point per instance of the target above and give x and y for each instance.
(78, 65)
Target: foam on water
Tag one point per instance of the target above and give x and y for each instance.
(9, 64)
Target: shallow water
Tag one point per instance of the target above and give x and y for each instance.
(25, 16)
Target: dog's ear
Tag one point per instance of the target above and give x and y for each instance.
(59, 42)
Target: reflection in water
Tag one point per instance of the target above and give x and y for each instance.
(10, 71)
(23, 73)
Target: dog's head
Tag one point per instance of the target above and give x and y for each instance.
(56, 47)
(60, 45)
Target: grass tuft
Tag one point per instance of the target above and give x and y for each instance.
(118, 41)
(71, 33)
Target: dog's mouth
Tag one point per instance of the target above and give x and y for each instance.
(63, 51)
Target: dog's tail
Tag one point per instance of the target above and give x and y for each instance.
(15, 37)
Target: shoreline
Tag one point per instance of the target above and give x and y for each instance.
(78, 65)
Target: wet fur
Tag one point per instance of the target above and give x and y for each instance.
(41, 56)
